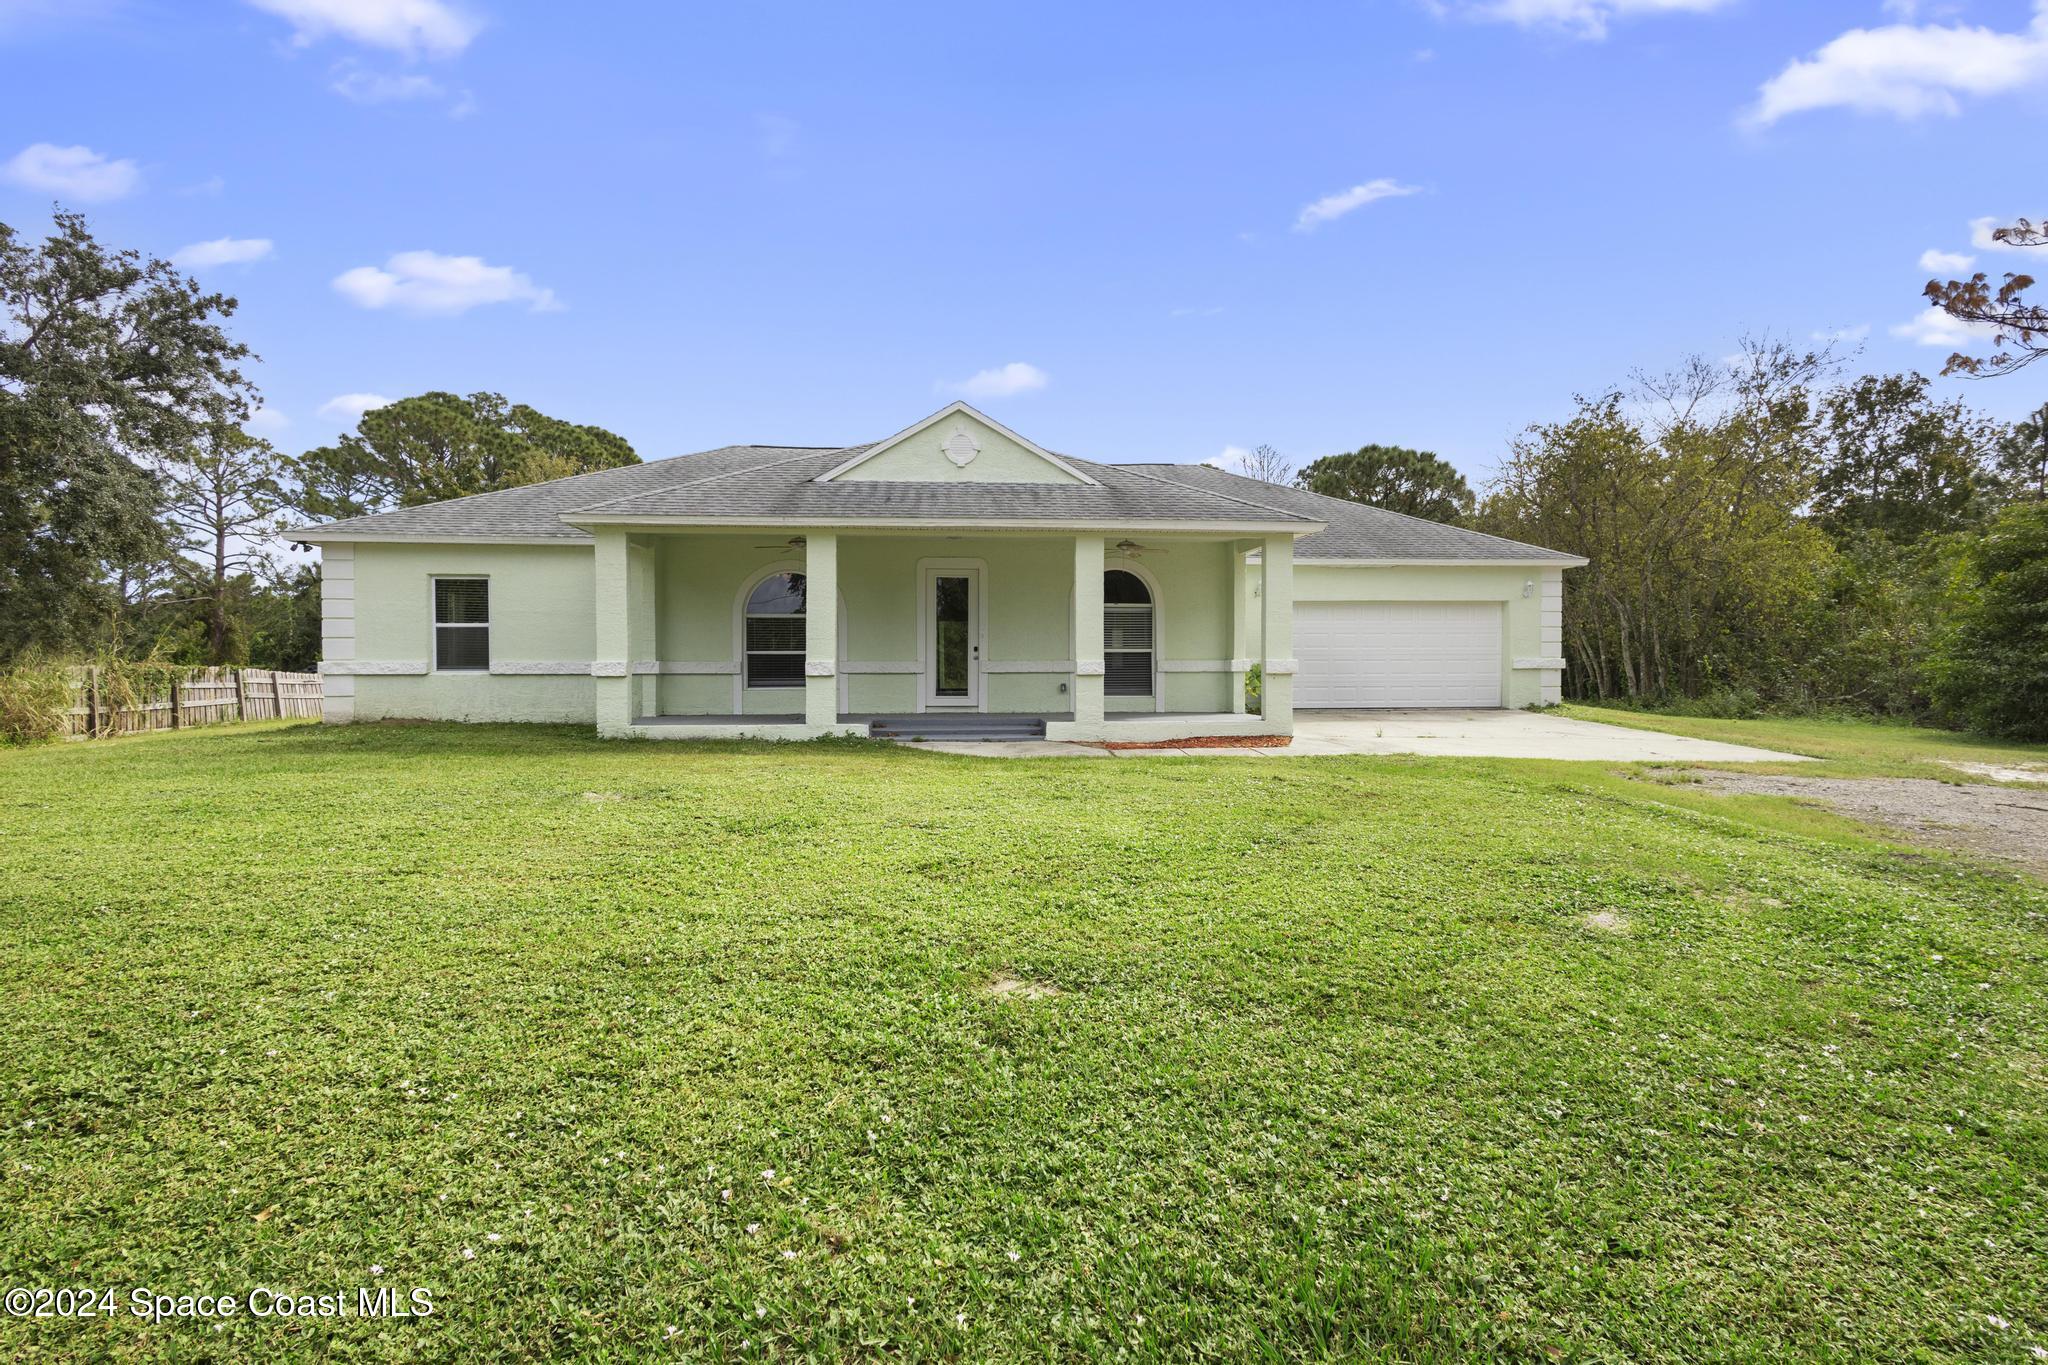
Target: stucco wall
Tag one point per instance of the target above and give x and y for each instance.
(1532, 622)
(541, 633)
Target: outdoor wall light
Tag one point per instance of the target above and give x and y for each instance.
(1528, 587)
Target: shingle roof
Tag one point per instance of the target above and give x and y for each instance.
(1356, 531)
(774, 484)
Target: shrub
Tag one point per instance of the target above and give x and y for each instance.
(1254, 690)
(34, 695)
(1989, 669)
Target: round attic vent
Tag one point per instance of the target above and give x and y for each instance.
(961, 448)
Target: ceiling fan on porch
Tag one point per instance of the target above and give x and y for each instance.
(1131, 549)
(793, 543)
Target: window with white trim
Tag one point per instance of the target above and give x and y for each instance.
(1126, 635)
(775, 632)
(462, 625)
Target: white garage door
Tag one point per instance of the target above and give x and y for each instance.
(1365, 654)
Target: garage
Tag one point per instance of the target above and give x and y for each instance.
(1388, 654)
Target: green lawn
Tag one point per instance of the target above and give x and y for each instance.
(1852, 747)
(662, 1051)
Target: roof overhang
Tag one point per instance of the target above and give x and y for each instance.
(322, 536)
(1155, 525)
(1567, 563)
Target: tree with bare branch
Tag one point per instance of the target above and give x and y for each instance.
(2019, 329)
(223, 495)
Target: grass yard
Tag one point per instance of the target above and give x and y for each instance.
(669, 1052)
(1852, 747)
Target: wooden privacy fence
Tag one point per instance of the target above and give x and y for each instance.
(200, 696)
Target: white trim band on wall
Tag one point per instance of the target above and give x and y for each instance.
(1282, 668)
(609, 668)
(888, 666)
(1028, 666)
(1090, 668)
(1202, 666)
(820, 668)
(1539, 663)
(552, 668)
(377, 668)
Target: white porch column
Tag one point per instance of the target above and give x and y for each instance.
(821, 628)
(1240, 645)
(1277, 599)
(611, 668)
(1088, 667)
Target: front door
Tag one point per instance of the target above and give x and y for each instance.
(952, 638)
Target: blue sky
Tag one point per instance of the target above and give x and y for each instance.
(700, 224)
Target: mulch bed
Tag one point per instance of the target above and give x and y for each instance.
(1206, 742)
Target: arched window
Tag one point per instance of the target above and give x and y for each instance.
(775, 632)
(1126, 635)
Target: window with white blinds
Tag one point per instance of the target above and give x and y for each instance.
(1127, 614)
(462, 625)
(775, 631)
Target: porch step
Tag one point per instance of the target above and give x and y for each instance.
(958, 728)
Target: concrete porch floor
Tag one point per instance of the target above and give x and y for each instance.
(1470, 734)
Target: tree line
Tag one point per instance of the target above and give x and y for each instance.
(1764, 534)
(141, 518)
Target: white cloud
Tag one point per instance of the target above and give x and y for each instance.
(1334, 206)
(1004, 381)
(1230, 457)
(1908, 71)
(1981, 238)
(222, 251)
(376, 87)
(1940, 262)
(266, 421)
(1584, 18)
(429, 28)
(73, 172)
(1933, 327)
(350, 407)
(428, 282)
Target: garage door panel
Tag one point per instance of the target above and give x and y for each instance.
(1393, 654)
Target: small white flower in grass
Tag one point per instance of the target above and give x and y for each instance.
(768, 1174)
(753, 1229)
(2038, 1352)
(759, 1311)
(492, 1237)
(469, 1253)
(1016, 1256)
(270, 1052)
(789, 1255)
(671, 1331)
(959, 1319)
(376, 1270)
(1996, 1321)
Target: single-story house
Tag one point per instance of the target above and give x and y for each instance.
(955, 578)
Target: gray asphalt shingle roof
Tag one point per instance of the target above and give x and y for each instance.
(1356, 531)
(774, 484)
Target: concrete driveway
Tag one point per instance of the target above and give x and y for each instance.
(1467, 734)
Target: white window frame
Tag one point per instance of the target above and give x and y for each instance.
(746, 682)
(1111, 563)
(436, 625)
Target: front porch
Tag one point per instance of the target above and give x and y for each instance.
(783, 633)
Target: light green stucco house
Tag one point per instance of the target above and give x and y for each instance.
(954, 579)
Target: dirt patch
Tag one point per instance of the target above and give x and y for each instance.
(1997, 822)
(1205, 742)
(2025, 772)
(1006, 986)
(1605, 922)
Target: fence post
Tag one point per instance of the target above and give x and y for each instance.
(92, 701)
(175, 680)
(277, 691)
(241, 697)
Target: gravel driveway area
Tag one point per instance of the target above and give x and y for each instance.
(2008, 823)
